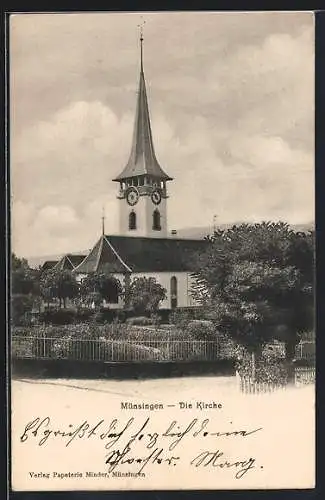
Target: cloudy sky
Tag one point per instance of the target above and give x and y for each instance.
(231, 97)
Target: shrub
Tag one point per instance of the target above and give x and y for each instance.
(229, 349)
(83, 315)
(164, 315)
(139, 321)
(144, 295)
(155, 319)
(21, 305)
(180, 318)
(200, 329)
(268, 367)
(98, 317)
(58, 316)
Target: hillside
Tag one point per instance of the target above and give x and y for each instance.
(196, 233)
(201, 232)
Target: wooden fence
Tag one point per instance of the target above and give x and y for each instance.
(306, 350)
(249, 386)
(302, 376)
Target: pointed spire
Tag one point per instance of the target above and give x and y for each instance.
(142, 159)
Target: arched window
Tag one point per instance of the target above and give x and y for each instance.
(132, 220)
(173, 292)
(156, 221)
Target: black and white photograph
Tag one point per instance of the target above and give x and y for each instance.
(162, 310)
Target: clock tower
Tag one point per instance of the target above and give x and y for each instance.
(143, 184)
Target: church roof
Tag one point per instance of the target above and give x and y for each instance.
(69, 261)
(48, 264)
(138, 254)
(142, 159)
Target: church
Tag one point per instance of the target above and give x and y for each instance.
(143, 248)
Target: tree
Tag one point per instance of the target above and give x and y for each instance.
(24, 280)
(98, 286)
(24, 288)
(257, 282)
(144, 295)
(58, 284)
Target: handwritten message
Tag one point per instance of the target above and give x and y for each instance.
(136, 445)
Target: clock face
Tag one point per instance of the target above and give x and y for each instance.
(132, 196)
(156, 197)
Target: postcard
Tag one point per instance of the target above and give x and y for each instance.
(162, 270)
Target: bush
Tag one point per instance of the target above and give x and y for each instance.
(268, 367)
(201, 329)
(228, 349)
(155, 319)
(21, 305)
(163, 315)
(58, 316)
(139, 321)
(180, 318)
(76, 331)
(98, 317)
(83, 315)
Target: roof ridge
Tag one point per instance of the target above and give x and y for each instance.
(85, 257)
(99, 253)
(116, 254)
(172, 238)
(67, 257)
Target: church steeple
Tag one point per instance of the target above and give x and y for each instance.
(143, 191)
(142, 160)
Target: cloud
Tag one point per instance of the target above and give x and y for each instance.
(232, 120)
(53, 229)
(71, 157)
